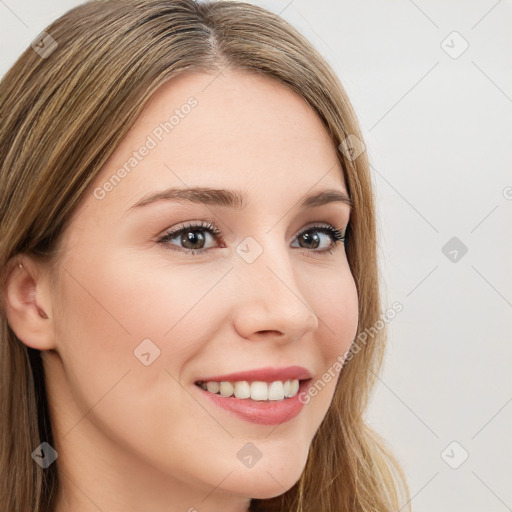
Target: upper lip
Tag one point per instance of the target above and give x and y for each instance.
(268, 374)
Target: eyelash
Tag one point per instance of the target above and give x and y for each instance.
(336, 235)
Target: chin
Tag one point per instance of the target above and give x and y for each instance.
(267, 481)
(270, 491)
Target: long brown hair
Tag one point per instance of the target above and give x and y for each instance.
(63, 113)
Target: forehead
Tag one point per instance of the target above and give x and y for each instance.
(236, 130)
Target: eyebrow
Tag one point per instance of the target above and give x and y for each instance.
(234, 198)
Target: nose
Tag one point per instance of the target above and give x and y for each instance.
(269, 299)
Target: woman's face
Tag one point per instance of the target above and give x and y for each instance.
(141, 322)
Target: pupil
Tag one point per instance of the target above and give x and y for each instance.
(312, 238)
(191, 238)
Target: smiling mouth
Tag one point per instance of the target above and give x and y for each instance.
(253, 390)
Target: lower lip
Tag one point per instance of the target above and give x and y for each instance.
(264, 412)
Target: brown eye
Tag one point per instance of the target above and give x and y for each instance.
(191, 238)
(312, 238)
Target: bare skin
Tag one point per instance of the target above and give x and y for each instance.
(134, 437)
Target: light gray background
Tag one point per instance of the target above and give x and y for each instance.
(438, 132)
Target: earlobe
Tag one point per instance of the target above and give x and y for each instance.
(26, 303)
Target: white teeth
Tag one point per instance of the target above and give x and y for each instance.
(258, 390)
(226, 388)
(294, 387)
(242, 389)
(276, 391)
(213, 387)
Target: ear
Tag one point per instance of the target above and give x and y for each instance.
(26, 299)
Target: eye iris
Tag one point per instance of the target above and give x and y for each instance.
(192, 237)
(314, 239)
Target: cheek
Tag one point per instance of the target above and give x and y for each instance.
(118, 302)
(337, 308)
(110, 309)
(123, 313)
